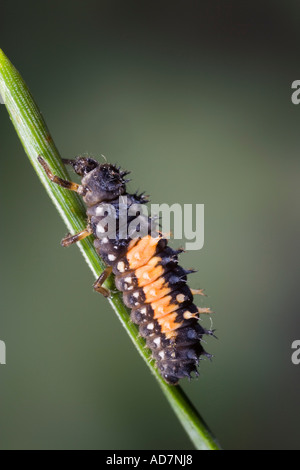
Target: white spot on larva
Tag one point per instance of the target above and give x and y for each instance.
(150, 326)
(105, 240)
(157, 341)
(144, 310)
(161, 354)
(137, 256)
(128, 280)
(136, 304)
(173, 355)
(129, 287)
(153, 292)
(136, 295)
(161, 309)
(180, 298)
(115, 247)
(111, 257)
(146, 276)
(121, 266)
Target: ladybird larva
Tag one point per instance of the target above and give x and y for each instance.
(146, 270)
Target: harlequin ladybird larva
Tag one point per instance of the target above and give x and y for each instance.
(146, 270)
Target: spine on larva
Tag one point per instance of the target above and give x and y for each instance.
(155, 288)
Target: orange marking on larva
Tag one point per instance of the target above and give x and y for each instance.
(168, 323)
(171, 335)
(154, 261)
(163, 306)
(142, 252)
(132, 243)
(156, 290)
(148, 273)
(146, 276)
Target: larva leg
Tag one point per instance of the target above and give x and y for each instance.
(102, 278)
(57, 180)
(70, 239)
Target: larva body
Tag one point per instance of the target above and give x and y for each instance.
(146, 271)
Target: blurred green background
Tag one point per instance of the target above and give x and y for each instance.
(195, 99)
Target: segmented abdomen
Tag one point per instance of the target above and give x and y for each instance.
(155, 289)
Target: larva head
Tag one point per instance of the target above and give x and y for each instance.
(102, 182)
(82, 165)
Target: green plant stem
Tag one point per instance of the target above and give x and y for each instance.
(36, 140)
